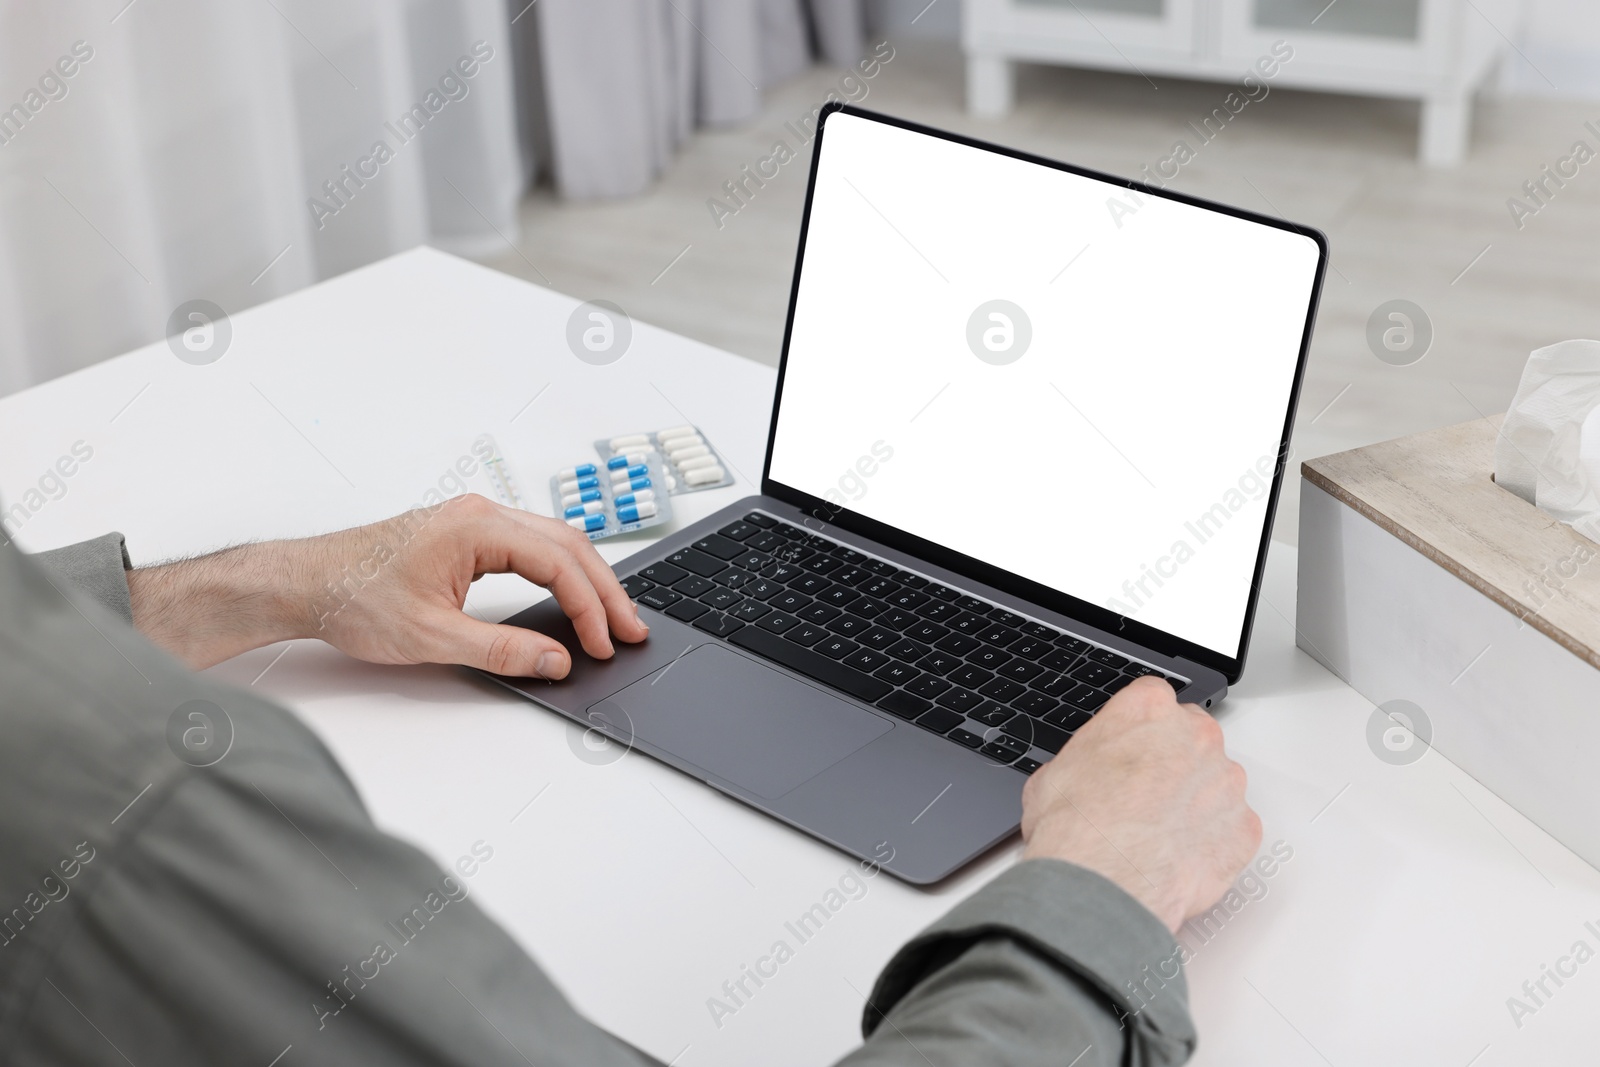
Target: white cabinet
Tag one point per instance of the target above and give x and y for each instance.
(1435, 51)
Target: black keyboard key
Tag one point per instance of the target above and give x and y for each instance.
(1087, 698)
(898, 619)
(1097, 674)
(1108, 657)
(717, 624)
(940, 663)
(1036, 704)
(973, 604)
(940, 721)
(926, 632)
(694, 585)
(991, 714)
(1054, 685)
(810, 584)
(723, 599)
(1006, 618)
(864, 659)
(908, 599)
(991, 659)
(1059, 659)
(1069, 718)
(852, 576)
(723, 548)
(1020, 670)
(958, 699)
(969, 676)
(849, 625)
(904, 705)
(1042, 735)
(967, 623)
(958, 644)
(778, 622)
(1030, 647)
(788, 553)
(634, 584)
(739, 531)
(659, 598)
(764, 589)
(805, 661)
(1072, 644)
(835, 647)
(1041, 631)
(749, 611)
(782, 572)
(1003, 690)
(880, 587)
(839, 596)
(692, 559)
(1027, 765)
(911, 581)
(999, 635)
(822, 564)
(769, 543)
(789, 601)
(687, 610)
(759, 562)
(766, 522)
(868, 609)
(1004, 749)
(880, 568)
(807, 633)
(942, 592)
(897, 673)
(734, 578)
(819, 613)
(879, 639)
(938, 610)
(664, 573)
(907, 651)
(927, 687)
(962, 736)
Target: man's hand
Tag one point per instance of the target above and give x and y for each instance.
(391, 592)
(1145, 796)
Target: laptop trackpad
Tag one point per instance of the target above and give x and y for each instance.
(740, 720)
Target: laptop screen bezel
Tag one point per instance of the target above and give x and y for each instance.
(1232, 667)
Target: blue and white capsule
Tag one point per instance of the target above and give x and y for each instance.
(637, 470)
(628, 459)
(634, 485)
(636, 498)
(588, 523)
(592, 507)
(645, 509)
(577, 485)
(582, 470)
(569, 499)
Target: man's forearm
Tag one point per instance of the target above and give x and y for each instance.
(208, 609)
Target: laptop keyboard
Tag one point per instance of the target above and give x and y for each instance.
(966, 669)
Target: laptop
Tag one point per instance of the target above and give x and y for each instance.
(1030, 427)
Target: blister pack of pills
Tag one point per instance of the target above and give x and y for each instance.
(624, 493)
(692, 464)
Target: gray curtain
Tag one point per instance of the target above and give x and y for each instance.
(610, 88)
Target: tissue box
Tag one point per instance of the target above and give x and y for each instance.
(1421, 580)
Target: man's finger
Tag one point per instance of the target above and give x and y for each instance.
(509, 650)
(621, 613)
(509, 545)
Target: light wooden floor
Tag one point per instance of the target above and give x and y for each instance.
(1344, 164)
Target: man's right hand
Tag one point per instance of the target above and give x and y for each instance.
(1145, 795)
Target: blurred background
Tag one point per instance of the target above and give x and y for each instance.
(654, 153)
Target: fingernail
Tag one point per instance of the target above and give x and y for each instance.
(548, 664)
(642, 624)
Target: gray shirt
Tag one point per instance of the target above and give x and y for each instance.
(157, 912)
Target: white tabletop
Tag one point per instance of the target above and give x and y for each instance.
(1415, 903)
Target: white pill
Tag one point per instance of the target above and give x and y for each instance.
(703, 476)
(680, 454)
(633, 440)
(697, 463)
(675, 431)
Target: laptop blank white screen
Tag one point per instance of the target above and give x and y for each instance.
(1125, 456)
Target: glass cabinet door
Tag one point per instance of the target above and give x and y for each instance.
(1392, 36)
(1395, 20)
(1165, 26)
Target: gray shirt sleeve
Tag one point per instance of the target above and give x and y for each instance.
(98, 567)
(195, 881)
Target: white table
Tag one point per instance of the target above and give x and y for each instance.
(1415, 903)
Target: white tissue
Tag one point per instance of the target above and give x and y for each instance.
(1548, 451)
